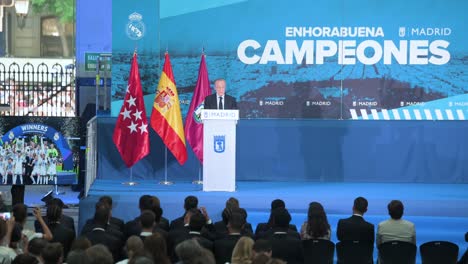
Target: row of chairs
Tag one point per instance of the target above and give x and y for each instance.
(394, 252)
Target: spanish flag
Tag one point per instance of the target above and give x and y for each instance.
(166, 119)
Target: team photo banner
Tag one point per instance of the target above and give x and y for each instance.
(39, 150)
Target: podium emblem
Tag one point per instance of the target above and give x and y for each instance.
(219, 143)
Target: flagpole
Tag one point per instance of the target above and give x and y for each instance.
(131, 182)
(199, 181)
(165, 182)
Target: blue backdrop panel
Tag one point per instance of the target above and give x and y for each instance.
(357, 60)
(111, 166)
(312, 150)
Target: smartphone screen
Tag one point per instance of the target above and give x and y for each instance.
(5, 216)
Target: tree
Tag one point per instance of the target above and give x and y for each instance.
(63, 10)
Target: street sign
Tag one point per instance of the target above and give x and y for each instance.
(92, 59)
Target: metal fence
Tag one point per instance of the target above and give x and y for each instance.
(28, 90)
(91, 154)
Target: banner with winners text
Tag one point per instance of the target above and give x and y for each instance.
(40, 150)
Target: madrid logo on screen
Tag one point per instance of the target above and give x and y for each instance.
(219, 143)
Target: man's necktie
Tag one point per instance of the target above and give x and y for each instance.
(220, 106)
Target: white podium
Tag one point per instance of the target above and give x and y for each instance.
(219, 150)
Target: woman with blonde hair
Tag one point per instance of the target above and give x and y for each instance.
(243, 252)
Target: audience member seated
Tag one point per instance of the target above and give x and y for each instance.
(242, 252)
(60, 232)
(355, 228)
(150, 203)
(7, 254)
(24, 259)
(262, 246)
(99, 234)
(190, 202)
(190, 251)
(261, 259)
(100, 254)
(280, 219)
(196, 222)
(35, 247)
(264, 259)
(395, 228)
(161, 222)
(286, 243)
(317, 226)
(220, 227)
(149, 226)
(81, 243)
(141, 259)
(133, 245)
(155, 245)
(223, 247)
(66, 220)
(52, 254)
(110, 229)
(113, 221)
(264, 227)
(78, 256)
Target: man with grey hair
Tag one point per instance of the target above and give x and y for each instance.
(220, 100)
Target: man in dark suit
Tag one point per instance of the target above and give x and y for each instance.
(99, 234)
(146, 202)
(220, 100)
(220, 228)
(223, 247)
(117, 222)
(196, 222)
(265, 227)
(109, 227)
(190, 202)
(285, 243)
(355, 227)
(149, 225)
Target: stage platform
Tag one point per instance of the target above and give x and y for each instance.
(439, 211)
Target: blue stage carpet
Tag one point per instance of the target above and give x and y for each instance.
(439, 211)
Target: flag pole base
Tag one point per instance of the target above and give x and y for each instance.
(166, 182)
(198, 182)
(130, 183)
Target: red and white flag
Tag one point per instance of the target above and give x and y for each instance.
(131, 130)
(193, 124)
